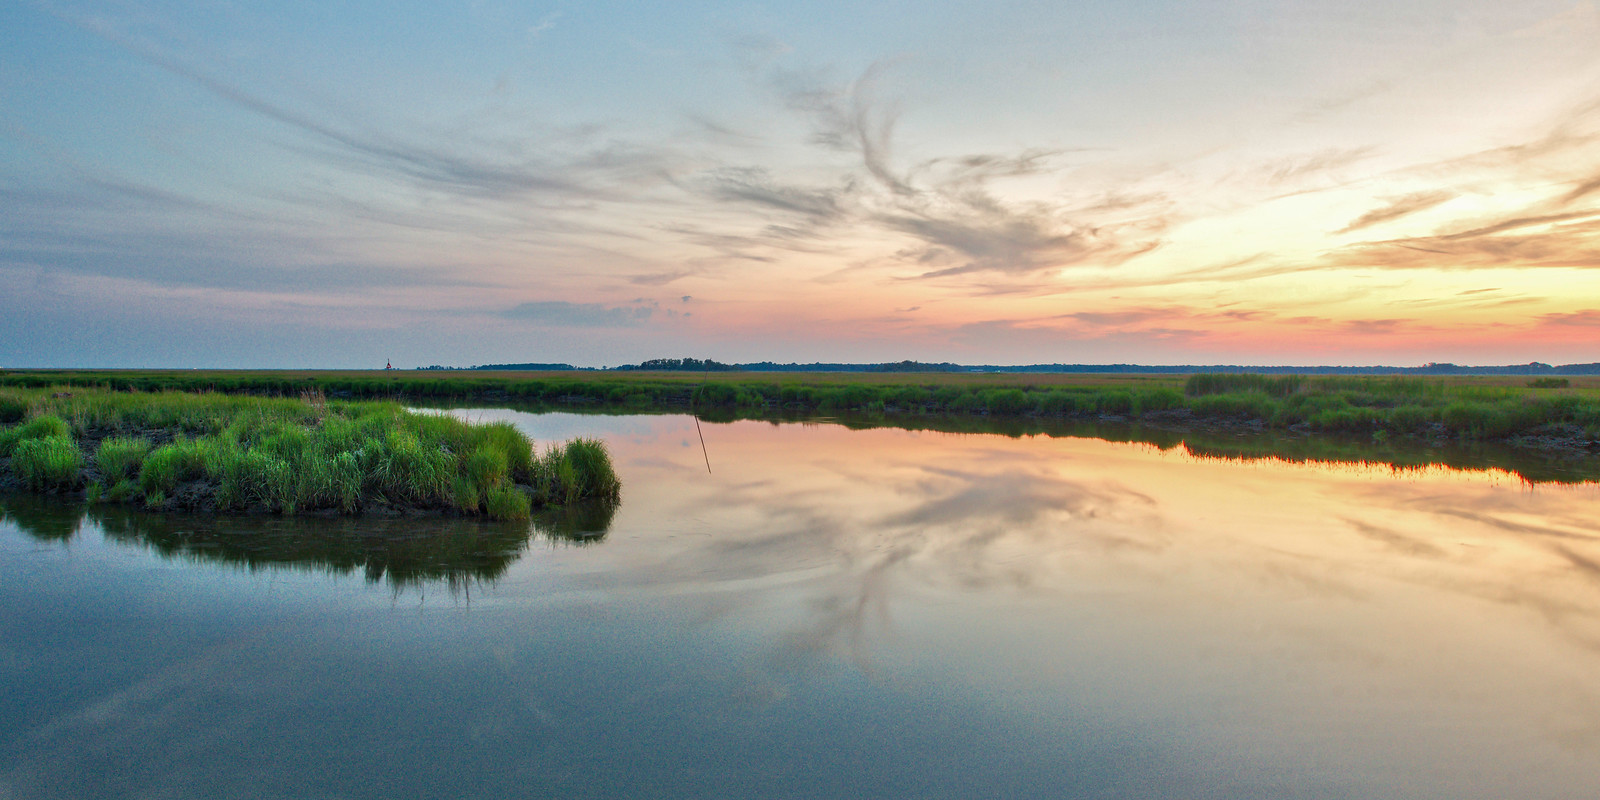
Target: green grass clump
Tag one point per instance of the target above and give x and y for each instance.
(405, 472)
(508, 503)
(13, 409)
(466, 495)
(50, 463)
(579, 470)
(1008, 401)
(1549, 383)
(37, 428)
(225, 466)
(1251, 405)
(334, 482)
(1159, 399)
(1119, 401)
(256, 477)
(169, 465)
(122, 491)
(518, 449)
(1208, 383)
(120, 458)
(486, 466)
(287, 456)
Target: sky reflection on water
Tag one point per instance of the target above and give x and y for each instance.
(831, 612)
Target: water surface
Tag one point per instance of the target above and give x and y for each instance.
(827, 613)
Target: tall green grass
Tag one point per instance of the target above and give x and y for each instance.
(49, 463)
(579, 470)
(169, 465)
(40, 427)
(119, 458)
(12, 410)
(289, 456)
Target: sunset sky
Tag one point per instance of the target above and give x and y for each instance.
(314, 184)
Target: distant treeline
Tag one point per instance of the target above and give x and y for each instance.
(1534, 368)
(528, 367)
(681, 365)
(709, 365)
(895, 366)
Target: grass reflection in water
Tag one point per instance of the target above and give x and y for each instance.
(404, 552)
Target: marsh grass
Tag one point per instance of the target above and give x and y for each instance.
(12, 410)
(47, 464)
(578, 470)
(1487, 407)
(39, 427)
(122, 491)
(508, 504)
(285, 455)
(119, 457)
(466, 495)
(487, 466)
(167, 466)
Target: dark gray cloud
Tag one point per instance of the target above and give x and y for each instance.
(582, 315)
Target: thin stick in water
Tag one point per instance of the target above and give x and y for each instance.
(703, 445)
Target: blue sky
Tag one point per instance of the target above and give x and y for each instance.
(336, 185)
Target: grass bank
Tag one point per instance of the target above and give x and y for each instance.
(1535, 413)
(209, 451)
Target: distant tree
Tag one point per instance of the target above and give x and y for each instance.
(681, 365)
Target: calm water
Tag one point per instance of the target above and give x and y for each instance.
(828, 613)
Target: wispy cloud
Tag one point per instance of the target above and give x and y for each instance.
(545, 23)
(1570, 240)
(1399, 207)
(756, 186)
(1582, 190)
(848, 119)
(562, 314)
(601, 168)
(946, 209)
(1587, 318)
(1297, 168)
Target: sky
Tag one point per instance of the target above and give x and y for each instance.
(345, 184)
